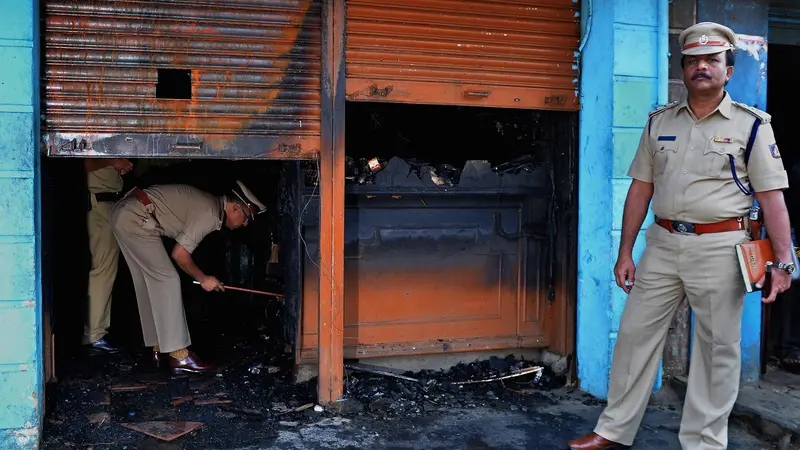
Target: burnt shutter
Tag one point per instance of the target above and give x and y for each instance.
(182, 78)
(518, 54)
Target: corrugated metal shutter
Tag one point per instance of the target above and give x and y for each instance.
(784, 24)
(465, 52)
(253, 74)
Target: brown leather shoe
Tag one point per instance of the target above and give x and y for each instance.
(593, 441)
(191, 364)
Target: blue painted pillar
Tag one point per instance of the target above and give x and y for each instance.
(21, 394)
(623, 78)
(750, 20)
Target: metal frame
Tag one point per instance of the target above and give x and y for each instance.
(331, 275)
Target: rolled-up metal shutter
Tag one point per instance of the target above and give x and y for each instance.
(465, 52)
(210, 78)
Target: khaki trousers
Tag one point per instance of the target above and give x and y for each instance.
(105, 257)
(705, 270)
(157, 285)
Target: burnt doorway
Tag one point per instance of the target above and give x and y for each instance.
(251, 336)
(783, 338)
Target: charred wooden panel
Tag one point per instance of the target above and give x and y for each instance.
(179, 78)
(464, 52)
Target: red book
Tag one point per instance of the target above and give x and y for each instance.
(753, 257)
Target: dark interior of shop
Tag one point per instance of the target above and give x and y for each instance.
(782, 97)
(218, 322)
(444, 138)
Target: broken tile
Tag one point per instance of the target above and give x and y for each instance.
(166, 431)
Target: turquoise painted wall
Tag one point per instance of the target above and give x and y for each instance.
(21, 394)
(626, 79)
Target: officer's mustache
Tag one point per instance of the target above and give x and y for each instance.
(701, 75)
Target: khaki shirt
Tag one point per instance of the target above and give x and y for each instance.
(687, 161)
(106, 179)
(185, 213)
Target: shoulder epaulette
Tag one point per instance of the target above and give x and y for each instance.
(765, 118)
(663, 108)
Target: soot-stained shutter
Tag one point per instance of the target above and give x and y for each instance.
(182, 78)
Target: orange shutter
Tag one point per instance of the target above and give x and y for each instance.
(250, 71)
(519, 54)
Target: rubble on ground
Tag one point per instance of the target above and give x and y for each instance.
(252, 406)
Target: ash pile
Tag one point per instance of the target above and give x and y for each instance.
(501, 383)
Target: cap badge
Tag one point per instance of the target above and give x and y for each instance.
(703, 40)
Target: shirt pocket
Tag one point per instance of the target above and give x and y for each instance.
(664, 152)
(716, 159)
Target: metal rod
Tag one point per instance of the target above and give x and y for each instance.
(378, 371)
(252, 291)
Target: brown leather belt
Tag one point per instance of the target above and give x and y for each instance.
(142, 196)
(676, 226)
(144, 200)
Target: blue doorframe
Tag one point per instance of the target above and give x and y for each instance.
(21, 374)
(626, 49)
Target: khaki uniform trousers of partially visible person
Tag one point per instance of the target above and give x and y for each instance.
(705, 270)
(104, 251)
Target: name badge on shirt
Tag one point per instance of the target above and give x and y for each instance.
(773, 149)
(666, 138)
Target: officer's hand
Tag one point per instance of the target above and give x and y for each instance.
(212, 284)
(781, 281)
(625, 271)
(122, 165)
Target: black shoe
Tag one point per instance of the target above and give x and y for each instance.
(102, 346)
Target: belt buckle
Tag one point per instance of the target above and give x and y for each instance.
(683, 227)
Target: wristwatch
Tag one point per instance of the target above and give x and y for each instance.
(786, 267)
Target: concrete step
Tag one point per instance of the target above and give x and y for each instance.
(770, 409)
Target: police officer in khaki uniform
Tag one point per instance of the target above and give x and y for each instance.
(702, 211)
(104, 182)
(187, 215)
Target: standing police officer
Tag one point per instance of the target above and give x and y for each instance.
(683, 164)
(104, 182)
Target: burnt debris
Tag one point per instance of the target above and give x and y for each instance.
(242, 406)
(435, 391)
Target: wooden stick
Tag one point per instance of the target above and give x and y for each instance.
(252, 291)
